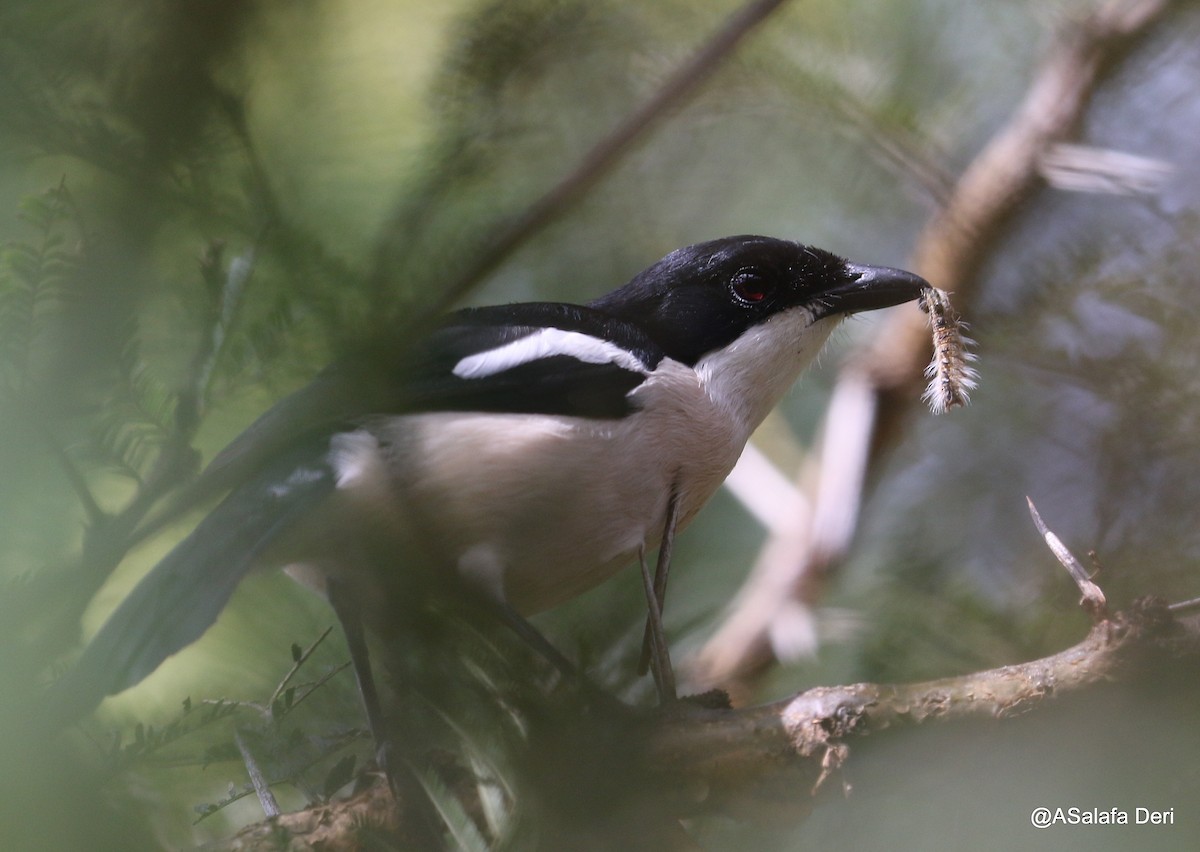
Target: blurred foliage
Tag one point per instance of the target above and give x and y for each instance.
(202, 203)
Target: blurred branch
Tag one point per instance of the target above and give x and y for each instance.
(1183, 606)
(886, 377)
(595, 165)
(1084, 168)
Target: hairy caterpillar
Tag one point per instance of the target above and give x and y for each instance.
(951, 376)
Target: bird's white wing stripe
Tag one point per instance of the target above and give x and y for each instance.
(547, 343)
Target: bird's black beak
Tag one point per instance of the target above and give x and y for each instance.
(869, 288)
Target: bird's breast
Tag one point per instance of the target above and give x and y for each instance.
(538, 509)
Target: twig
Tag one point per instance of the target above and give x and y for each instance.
(296, 664)
(315, 685)
(1184, 606)
(265, 797)
(231, 702)
(1093, 600)
(228, 290)
(266, 709)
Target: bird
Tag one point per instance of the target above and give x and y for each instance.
(516, 455)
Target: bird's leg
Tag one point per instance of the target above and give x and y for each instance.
(347, 610)
(659, 654)
(655, 653)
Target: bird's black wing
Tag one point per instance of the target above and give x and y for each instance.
(537, 358)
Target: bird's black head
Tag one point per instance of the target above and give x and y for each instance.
(703, 297)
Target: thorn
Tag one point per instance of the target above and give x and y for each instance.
(1093, 600)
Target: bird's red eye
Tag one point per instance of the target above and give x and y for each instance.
(749, 287)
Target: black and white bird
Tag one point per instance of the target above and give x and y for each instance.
(523, 453)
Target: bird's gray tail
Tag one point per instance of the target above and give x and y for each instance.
(183, 595)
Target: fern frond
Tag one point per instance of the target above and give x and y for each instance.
(137, 417)
(35, 277)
